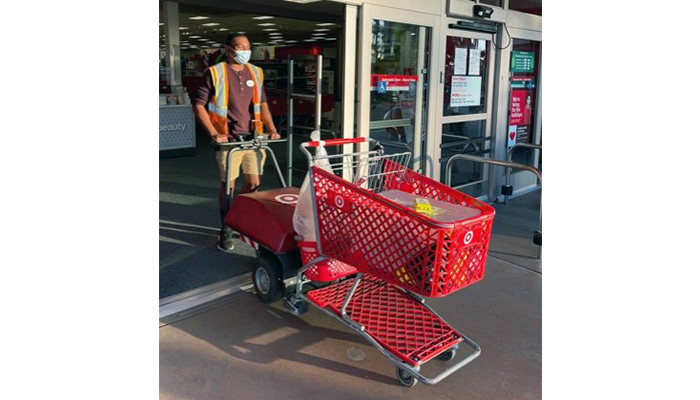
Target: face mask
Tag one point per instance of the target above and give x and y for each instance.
(242, 56)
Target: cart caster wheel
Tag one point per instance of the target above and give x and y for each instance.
(405, 378)
(295, 306)
(447, 355)
(267, 279)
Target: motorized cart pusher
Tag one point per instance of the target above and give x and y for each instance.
(263, 220)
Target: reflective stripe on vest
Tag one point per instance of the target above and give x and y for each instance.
(218, 106)
(257, 75)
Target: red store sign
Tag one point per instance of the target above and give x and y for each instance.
(517, 107)
(393, 82)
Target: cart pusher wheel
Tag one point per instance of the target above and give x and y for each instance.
(267, 279)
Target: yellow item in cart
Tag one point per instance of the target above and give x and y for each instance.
(403, 275)
(423, 206)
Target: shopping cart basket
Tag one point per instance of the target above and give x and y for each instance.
(398, 253)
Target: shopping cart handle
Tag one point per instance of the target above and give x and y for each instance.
(334, 142)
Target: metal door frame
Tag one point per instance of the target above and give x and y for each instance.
(292, 95)
(434, 149)
(369, 12)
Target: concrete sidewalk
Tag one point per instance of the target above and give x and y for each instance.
(240, 348)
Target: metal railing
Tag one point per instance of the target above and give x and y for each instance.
(510, 159)
(291, 96)
(537, 237)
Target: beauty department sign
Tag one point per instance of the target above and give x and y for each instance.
(176, 127)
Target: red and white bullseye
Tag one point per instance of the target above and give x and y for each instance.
(287, 198)
(468, 237)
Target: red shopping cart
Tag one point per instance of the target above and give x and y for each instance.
(364, 218)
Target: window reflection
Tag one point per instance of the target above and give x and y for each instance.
(394, 83)
(465, 138)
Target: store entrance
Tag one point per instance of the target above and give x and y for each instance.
(191, 34)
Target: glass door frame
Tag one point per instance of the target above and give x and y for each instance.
(370, 12)
(433, 143)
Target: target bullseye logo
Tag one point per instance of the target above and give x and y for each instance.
(287, 198)
(339, 201)
(343, 203)
(468, 237)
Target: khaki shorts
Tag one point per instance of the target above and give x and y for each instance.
(252, 162)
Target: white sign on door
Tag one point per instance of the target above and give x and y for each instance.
(460, 61)
(474, 62)
(466, 91)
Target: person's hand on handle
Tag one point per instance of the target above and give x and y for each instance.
(274, 136)
(219, 138)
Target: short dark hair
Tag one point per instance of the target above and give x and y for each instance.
(232, 36)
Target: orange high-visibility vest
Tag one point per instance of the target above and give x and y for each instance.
(218, 106)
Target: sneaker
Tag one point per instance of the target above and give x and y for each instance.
(226, 243)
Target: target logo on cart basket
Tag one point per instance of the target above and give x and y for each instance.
(468, 237)
(290, 199)
(340, 201)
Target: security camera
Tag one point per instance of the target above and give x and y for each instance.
(482, 11)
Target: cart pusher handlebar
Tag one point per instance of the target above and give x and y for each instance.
(258, 143)
(255, 143)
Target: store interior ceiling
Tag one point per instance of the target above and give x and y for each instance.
(204, 24)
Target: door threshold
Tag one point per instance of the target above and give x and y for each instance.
(196, 297)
